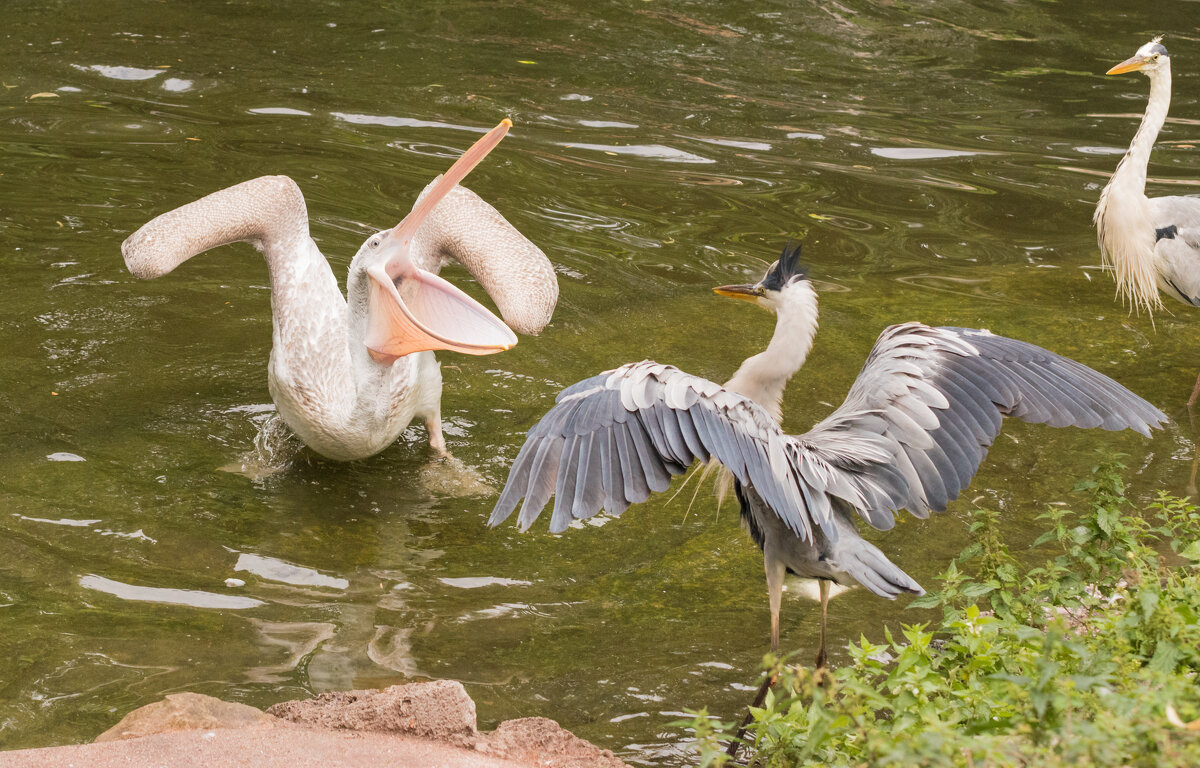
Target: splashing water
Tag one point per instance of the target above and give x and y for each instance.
(275, 450)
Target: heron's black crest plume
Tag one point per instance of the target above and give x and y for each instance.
(781, 272)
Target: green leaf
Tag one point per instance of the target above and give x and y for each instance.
(1166, 656)
(1191, 551)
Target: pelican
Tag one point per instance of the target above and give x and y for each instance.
(911, 434)
(1153, 244)
(348, 374)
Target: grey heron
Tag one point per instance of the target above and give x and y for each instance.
(911, 433)
(349, 374)
(1152, 244)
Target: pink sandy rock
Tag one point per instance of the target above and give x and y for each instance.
(184, 712)
(405, 726)
(439, 710)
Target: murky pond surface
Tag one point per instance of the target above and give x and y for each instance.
(941, 160)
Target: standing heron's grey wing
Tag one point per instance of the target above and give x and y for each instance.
(612, 440)
(933, 400)
(1179, 211)
(1177, 245)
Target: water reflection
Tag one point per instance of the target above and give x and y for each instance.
(286, 573)
(935, 173)
(121, 73)
(297, 640)
(190, 597)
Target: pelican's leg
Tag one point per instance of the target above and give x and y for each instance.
(429, 409)
(436, 440)
(1195, 393)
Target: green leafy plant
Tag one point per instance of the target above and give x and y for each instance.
(1073, 661)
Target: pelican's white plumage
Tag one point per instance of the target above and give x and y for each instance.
(348, 374)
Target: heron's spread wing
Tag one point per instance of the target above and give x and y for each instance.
(1177, 223)
(935, 397)
(612, 440)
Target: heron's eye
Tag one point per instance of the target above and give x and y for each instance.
(1154, 57)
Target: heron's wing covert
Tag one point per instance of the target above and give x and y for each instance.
(934, 398)
(1177, 245)
(612, 440)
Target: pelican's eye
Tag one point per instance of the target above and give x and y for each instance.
(374, 242)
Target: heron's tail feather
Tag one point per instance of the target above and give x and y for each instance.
(868, 566)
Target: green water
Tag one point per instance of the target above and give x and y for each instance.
(941, 160)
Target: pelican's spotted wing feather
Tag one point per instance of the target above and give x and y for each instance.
(933, 399)
(612, 440)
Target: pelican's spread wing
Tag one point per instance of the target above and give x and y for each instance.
(612, 440)
(935, 398)
(1177, 245)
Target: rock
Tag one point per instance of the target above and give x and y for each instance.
(439, 710)
(184, 712)
(543, 742)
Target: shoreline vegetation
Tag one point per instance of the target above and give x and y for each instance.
(1084, 652)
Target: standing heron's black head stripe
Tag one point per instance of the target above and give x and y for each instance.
(781, 272)
(1160, 49)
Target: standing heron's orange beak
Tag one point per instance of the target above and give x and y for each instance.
(1132, 64)
(412, 310)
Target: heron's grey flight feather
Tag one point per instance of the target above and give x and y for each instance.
(911, 433)
(980, 377)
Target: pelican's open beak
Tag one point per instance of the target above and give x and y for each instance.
(412, 310)
(1129, 65)
(745, 292)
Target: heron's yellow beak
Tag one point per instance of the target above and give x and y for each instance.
(744, 292)
(1129, 65)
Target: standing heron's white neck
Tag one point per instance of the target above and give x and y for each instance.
(1124, 225)
(763, 377)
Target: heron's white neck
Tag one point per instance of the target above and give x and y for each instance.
(763, 377)
(1124, 226)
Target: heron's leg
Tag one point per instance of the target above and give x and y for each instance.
(1191, 484)
(824, 586)
(1195, 393)
(776, 571)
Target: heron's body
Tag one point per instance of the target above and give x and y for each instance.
(911, 433)
(1153, 244)
(345, 375)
